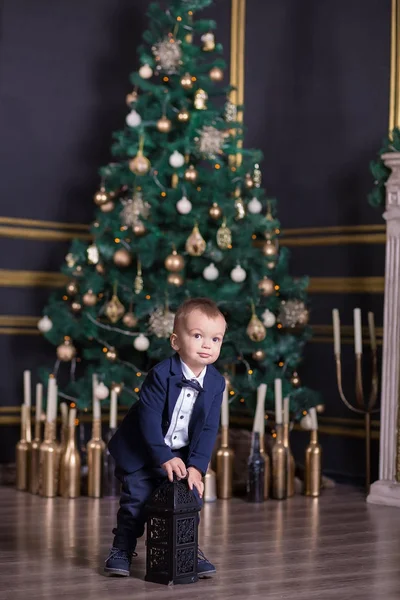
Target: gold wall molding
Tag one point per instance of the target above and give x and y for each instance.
(394, 110)
(335, 240)
(42, 224)
(318, 285)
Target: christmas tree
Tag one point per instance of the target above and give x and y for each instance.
(181, 213)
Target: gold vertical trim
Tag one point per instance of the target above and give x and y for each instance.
(238, 30)
(394, 111)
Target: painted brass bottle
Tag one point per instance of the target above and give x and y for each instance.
(255, 471)
(64, 432)
(225, 456)
(279, 466)
(95, 452)
(112, 485)
(49, 462)
(70, 463)
(23, 450)
(210, 485)
(291, 464)
(35, 459)
(267, 467)
(313, 466)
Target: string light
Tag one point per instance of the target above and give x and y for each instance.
(148, 297)
(279, 326)
(136, 389)
(117, 240)
(138, 374)
(280, 363)
(254, 237)
(217, 166)
(250, 371)
(242, 400)
(277, 287)
(232, 393)
(179, 18)
(165, 78)
(105, 350)
(163, 194)
(65, 297)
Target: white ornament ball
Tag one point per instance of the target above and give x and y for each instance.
(254, 206)
(238, 274)
(101, 391)
(211, 272)
(184, 206)
(306, 422)
(145, 72)
(176, 159)
(133, 119)
(268, 318)
(45, 324)
(141, 343)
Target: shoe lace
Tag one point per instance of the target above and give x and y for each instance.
(118, 553)
(200, 555)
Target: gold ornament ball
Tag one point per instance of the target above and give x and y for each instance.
(258, 355)
(174, 262)
(122, 258)
(191, 174)
(111, 354)
(117, 387)
(66, 351)
(216, 74)
(76, 307)
(107, 207)
(90, 298)
(139, 229)
(139, 165)
(72, 287)
(186, 81)
(320, 408)
(215, 211)
(164, 125)
(131, 98)
(101, 197)
(183, 116)
(175, 279)
(266, 287)
(100, 269)
(295, 380)
(129, 319)
(269, 249)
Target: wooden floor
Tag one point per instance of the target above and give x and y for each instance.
(335, 547)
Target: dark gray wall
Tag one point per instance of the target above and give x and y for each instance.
(317, 83)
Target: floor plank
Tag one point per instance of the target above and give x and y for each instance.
(333, 547)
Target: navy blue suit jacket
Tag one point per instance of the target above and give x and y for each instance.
(139, 441)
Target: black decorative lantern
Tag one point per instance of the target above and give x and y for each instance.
(172, 528)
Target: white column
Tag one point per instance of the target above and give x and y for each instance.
(386, 490)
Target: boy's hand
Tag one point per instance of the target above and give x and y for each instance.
(175, 465)
(195, 479)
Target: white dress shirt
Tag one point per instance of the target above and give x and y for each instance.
(178, 432)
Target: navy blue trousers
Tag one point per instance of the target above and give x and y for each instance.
(136, 489)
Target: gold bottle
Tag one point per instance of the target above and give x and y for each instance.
(313, 466)
(95, 449)
(225, 456)
(23, 449)
(210, 486)
(70, 464)
(63, 441)
(48, 467)
(267, 468)
(35, 459)
(279, 466)
(291, 464)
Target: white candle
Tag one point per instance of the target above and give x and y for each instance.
(55, 404)
(278, 401)
(286, 404)
(72, 417)
(259, 417)
(64, 414)
(113, 409)
(357, 331)
(336, 331)
(314, 421)
(27, 388)
(225, 407)
(372, 333)
(51, 409)
(96, 401)
(39, 401)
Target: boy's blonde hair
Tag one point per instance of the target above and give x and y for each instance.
(205, 305)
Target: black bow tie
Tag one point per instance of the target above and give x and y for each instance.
(191, 383)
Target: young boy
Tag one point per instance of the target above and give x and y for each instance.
(172, 429)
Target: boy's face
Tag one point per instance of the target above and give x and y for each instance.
(198, 339)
